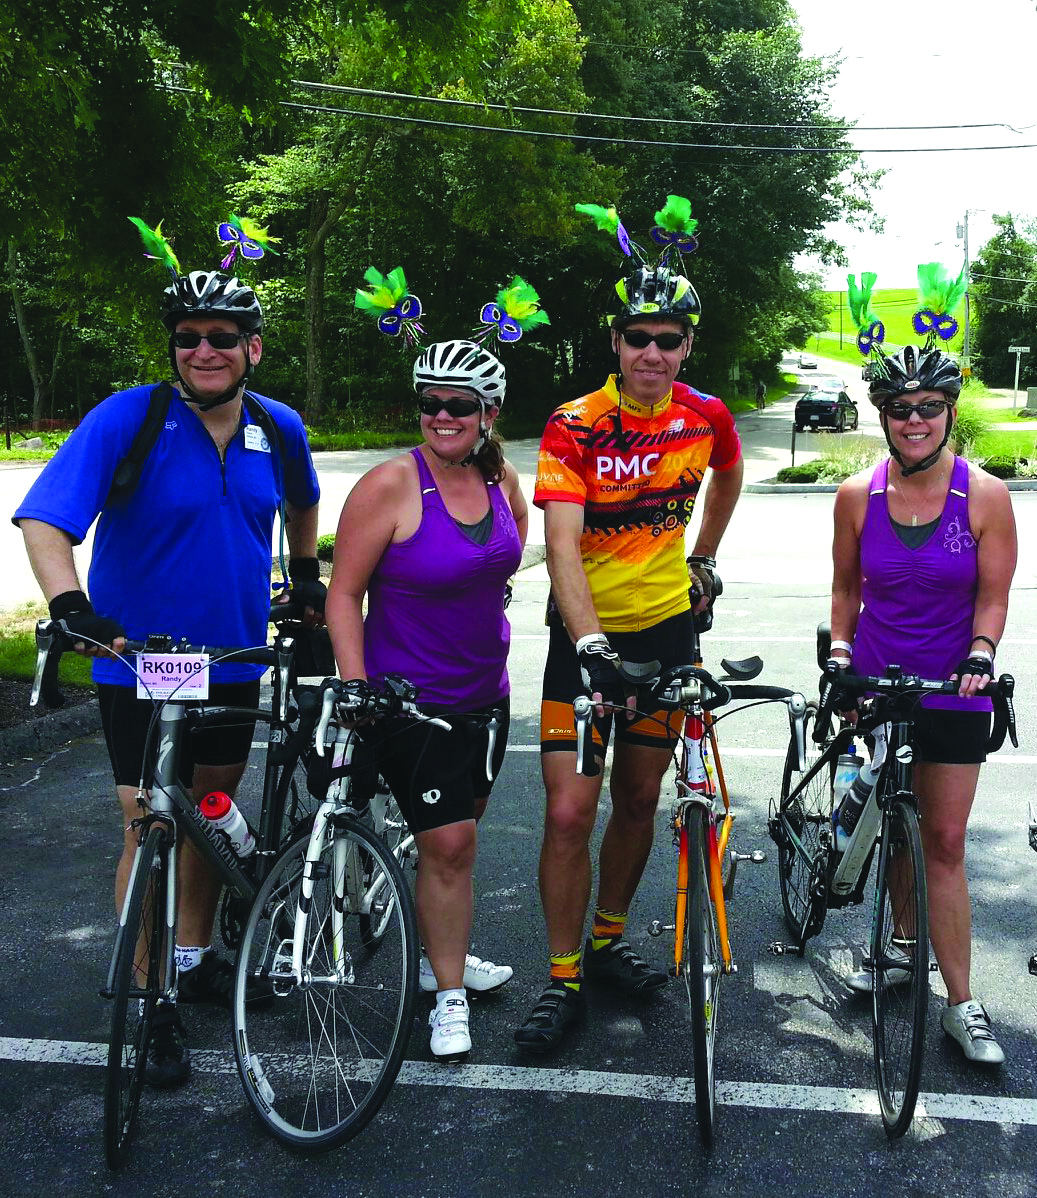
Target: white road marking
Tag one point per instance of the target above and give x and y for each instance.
(974, 1108)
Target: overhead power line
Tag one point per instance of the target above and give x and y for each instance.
(342, 89)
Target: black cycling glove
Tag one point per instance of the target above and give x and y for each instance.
(306, 586)
(599, 670)
(84, 625)
(976, 665)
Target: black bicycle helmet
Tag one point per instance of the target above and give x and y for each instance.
(657, 293)
(461, 364)
(911, 370)
(211, 293)
(914, 368)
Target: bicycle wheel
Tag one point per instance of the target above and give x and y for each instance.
(136, 989)
(900, 967)
(702, 968)
(319, 1061)
(388, 823)
(801, 829)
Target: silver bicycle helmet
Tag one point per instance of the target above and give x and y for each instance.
(211, 293)
(461, 364)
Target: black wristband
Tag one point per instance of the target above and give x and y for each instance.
(304, 569)
(69, 603)
(701, 559)
(980, 637)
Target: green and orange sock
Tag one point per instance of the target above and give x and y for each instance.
(565, 968)
(607, 927)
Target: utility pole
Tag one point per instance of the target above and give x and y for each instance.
(966, 347)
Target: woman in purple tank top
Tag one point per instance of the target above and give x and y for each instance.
(431, 538)
(924, 553)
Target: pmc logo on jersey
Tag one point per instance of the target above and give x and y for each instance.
(432, 796)
(630, 466)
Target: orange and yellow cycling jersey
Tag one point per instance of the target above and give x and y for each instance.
(636, 474)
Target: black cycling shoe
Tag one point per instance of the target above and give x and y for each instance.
(558, 1009)
(212, 981)
(169, 1058)
(618, 964)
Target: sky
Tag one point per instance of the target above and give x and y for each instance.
(929, 64)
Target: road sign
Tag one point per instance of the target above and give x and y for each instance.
(1018, 349)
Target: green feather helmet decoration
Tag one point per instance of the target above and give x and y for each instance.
(245, 236)
(515, 311)
(871, 332)
(939, 293)
(388, 302)
(156, 245)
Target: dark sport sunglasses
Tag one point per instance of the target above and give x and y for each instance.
(457, 408)
(639, 339)
(928, 410)
(216, 340)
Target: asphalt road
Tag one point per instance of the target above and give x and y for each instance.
(613, 1111)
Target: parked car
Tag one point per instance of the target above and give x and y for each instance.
(807, 362)
(826, 409)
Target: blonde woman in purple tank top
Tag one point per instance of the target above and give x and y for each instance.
(431, 538)
(924, 553)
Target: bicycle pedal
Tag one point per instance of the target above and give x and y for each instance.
(1033, 964)
(778, 948)
(655, 928)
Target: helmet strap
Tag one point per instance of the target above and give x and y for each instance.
(209, 402)
(927, 462)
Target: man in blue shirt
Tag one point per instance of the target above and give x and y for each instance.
(187, 553)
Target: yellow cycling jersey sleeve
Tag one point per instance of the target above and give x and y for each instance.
(636, 472)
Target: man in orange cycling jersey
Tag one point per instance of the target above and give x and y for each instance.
(619, 473)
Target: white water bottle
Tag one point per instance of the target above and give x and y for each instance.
(222, 813)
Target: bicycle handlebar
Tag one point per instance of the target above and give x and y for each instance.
(677, 688)
(895, 685)
(53, 639)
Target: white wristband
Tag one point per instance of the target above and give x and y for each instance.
(844, 645)
(592, 638)
(982, 653)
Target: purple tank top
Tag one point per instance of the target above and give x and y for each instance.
(917, 605)
(435, 605)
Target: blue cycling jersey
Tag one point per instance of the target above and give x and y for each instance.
(189, 552)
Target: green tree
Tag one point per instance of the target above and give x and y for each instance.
(1003, 303)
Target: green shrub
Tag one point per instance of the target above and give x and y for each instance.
(326, 547)
(805, 473)
(1001, 466)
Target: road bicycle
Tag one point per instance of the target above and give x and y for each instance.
(815, 874)
(1032, 828)
(706, 864)
(141, 972)
(332, 931)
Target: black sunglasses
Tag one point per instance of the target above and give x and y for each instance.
(187, 340)
(457, 408)
(928, 410)
(639, 339)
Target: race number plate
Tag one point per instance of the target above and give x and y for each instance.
(180, 676)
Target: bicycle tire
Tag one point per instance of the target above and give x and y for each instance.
(387, 822)
(318, 1062)
(899, 1011)
(801, 829)
(702, 968)
(134, 998)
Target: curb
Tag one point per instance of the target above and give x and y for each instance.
(771, 488)
(49, 732)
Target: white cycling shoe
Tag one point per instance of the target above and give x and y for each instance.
(448, 1022)
(482, 976)
(968, 1023)
(862, 982)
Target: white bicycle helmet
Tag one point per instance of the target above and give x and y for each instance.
(461, 364)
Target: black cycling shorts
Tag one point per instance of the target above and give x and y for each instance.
(126, 721)
(950, 737)
(435, 775)
(668, 643)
